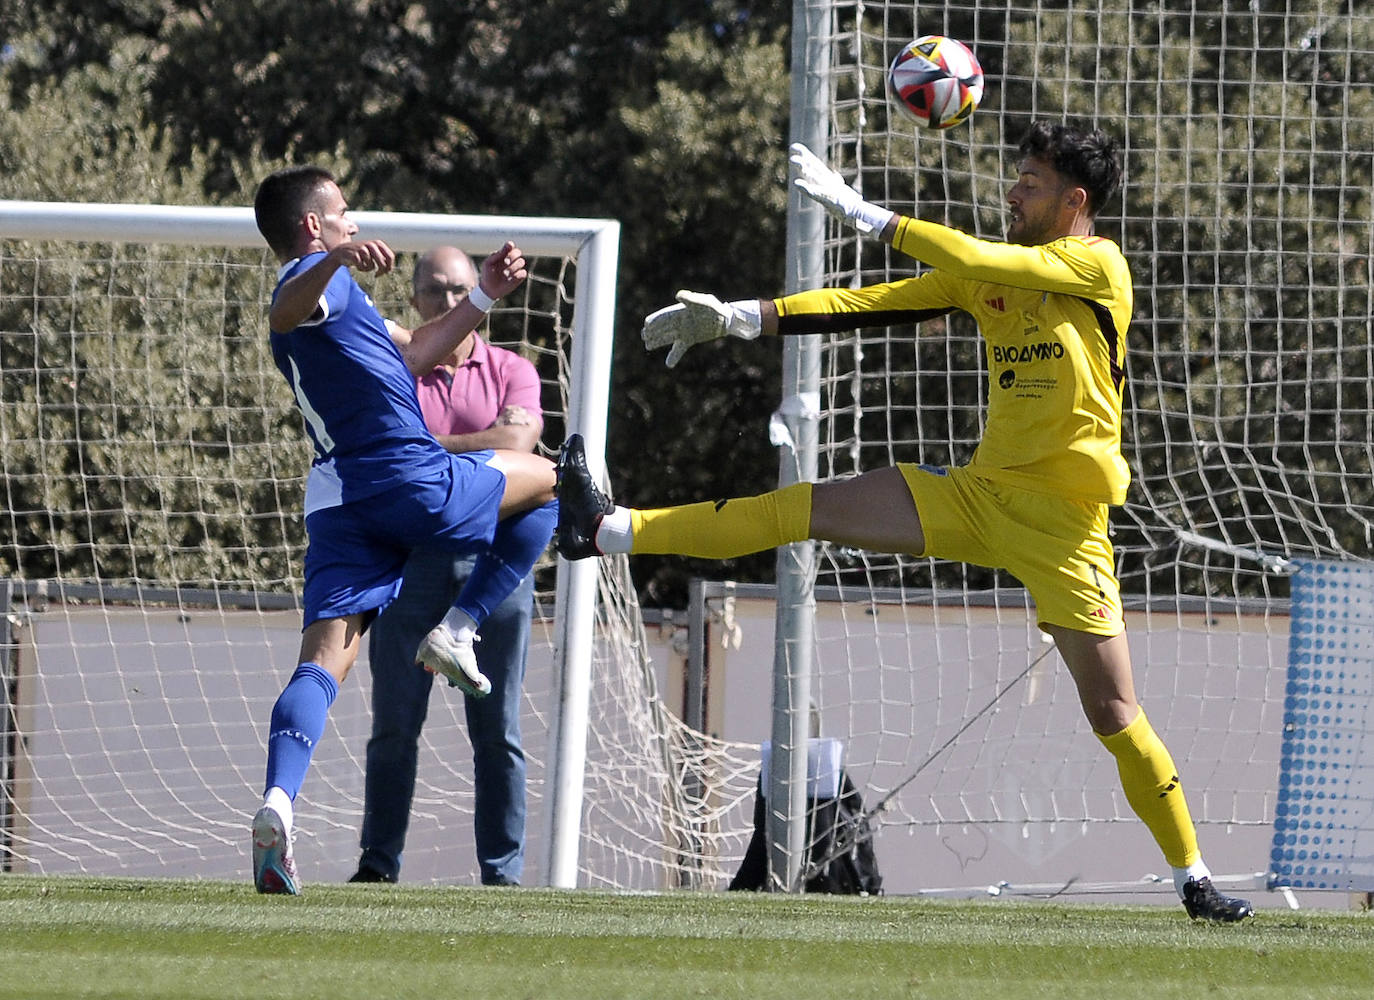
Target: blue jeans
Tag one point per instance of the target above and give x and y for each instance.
(400, 702)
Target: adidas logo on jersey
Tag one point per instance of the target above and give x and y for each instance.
(996, 302)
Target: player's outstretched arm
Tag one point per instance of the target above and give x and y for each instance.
(697, 318)
(819, 183)
(299, 297)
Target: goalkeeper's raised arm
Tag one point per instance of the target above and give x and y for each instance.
(699, 317)
(826, 187)
(1049, 247)
(1039, 251)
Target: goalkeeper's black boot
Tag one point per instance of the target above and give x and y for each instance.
(581, 504)
(1203, 902)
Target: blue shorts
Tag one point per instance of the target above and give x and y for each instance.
(357, 550)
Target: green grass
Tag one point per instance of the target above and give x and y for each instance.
(84, 937)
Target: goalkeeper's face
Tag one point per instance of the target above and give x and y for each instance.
(1041, 203)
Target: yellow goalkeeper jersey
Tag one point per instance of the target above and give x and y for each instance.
(1053, 318)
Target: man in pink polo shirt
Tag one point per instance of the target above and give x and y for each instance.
(479, 397)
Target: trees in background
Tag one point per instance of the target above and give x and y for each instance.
(669, 117)
(1245, 213)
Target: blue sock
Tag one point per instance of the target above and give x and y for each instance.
(297, 724)
(519, 542)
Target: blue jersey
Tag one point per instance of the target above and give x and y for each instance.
(356, 394)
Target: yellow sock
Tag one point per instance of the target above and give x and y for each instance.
(1150, 780)
(724, 529)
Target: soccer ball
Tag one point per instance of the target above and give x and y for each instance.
(935, 81)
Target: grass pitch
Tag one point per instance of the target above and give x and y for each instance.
(85, 937)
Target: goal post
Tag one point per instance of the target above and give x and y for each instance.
(793, 650)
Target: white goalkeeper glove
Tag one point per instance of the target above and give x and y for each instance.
(820, 183)
(697, 318)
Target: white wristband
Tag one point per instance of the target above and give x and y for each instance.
(481, 299)
(871, 218)
(747, 322)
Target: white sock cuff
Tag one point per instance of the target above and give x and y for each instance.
(1182, 876)
(615, 533)
(460, 623)
(281, 804)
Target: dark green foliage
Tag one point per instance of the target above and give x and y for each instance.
(668, 117)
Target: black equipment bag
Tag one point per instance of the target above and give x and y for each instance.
(840, 858)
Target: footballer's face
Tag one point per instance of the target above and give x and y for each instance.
(1043, 204)
(331, 222)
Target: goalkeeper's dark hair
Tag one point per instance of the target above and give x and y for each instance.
(1090, 159)
(283, 197)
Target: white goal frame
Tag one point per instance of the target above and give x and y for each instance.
(595, 245)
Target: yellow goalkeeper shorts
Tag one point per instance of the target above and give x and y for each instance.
(1057, 548)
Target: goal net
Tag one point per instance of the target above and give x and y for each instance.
(1246, 135)
(153, 465)
(153, 468)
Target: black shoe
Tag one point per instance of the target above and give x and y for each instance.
(581, 504)
(1203, 902)
(366, 874)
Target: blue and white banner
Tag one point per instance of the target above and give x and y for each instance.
(1324, 817)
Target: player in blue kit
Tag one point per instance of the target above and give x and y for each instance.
(380, 484)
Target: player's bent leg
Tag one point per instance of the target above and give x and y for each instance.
(530, 480)
(517, 543)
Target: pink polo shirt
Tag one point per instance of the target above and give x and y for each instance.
(491, 379)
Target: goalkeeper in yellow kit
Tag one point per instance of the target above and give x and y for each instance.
(1052, 304)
